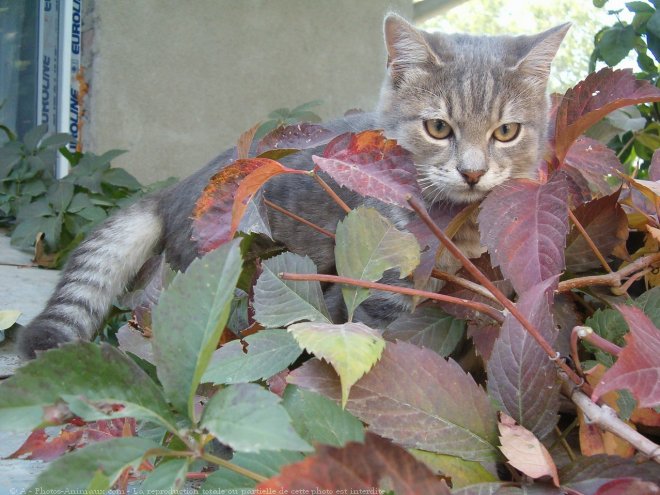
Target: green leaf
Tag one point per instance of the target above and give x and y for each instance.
(188, 321)
(599, 3)
(277, 302)
(56, 140)
(168, 477)
(250, 419)
(653, 25)
(93, 213)
(649, 302)
(98, 465)
(121, 178)
(428, 327)
(462, 472)
(266, 464)
(60, 195)
(78, 202)
(33, 136)
(609, 324)
(95, 376)
(33, 188)
(639, 7)
(352, 348)
(616, 43)
(318, 419)
(268, 352)
(367, 245)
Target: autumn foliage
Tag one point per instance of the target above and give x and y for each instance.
(563, 309)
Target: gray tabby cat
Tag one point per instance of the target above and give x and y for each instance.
(471, 109)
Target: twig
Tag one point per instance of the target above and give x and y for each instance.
(233, 467)
(289, 214)
(590, 241)
(564, 443)
(477, 306)
(467, 284)
(330, 192)
(588, 334)
(483, 280)
(606, 419)
(613, 279)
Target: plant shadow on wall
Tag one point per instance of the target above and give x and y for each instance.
(212, 355)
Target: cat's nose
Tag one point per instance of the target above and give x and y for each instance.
(472, 177)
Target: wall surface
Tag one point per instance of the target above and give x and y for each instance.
(175, 83)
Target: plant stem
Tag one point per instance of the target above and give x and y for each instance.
(588, 334)
(468, 284)
(612, 279)
(477, 306)
(289, 214)
(233, 467)
(483, 280)
(625, 146)
(564, 443)
(590, 241)
(330, 192)
(607, 419)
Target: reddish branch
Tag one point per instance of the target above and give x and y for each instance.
(477, 306)
(587, 333)
(590, 242)
(289, 214)
(613, 279)
(481, 278)
(330, 192)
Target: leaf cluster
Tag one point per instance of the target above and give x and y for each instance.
(634, 132)
(34, 204)
(220, 357)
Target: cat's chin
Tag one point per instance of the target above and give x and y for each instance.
(466, 195)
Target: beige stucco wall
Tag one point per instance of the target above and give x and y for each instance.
(176, 82)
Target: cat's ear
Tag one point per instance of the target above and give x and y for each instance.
(406, 46)
(540, 50)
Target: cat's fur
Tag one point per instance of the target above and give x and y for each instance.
(474, 83)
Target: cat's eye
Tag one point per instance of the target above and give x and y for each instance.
(507, 132)
(438, 128)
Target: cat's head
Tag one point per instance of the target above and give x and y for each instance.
(472, 109)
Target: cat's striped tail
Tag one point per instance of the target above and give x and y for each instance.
(97, 271)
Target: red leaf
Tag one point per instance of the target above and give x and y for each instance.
(592, 99)
(638, 365)
(524, 225)
(494, 275)
(357, 467)
(295, 137)
(371, 165)
(592, 161)
(416, 398)
(520, 376)
(245, 142)
(40, 445)
(607, 226)
(484, 338)
(654, 168)
(221, 206)
(629, 486)
(587, 474)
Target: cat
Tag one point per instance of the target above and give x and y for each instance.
(472, 110)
